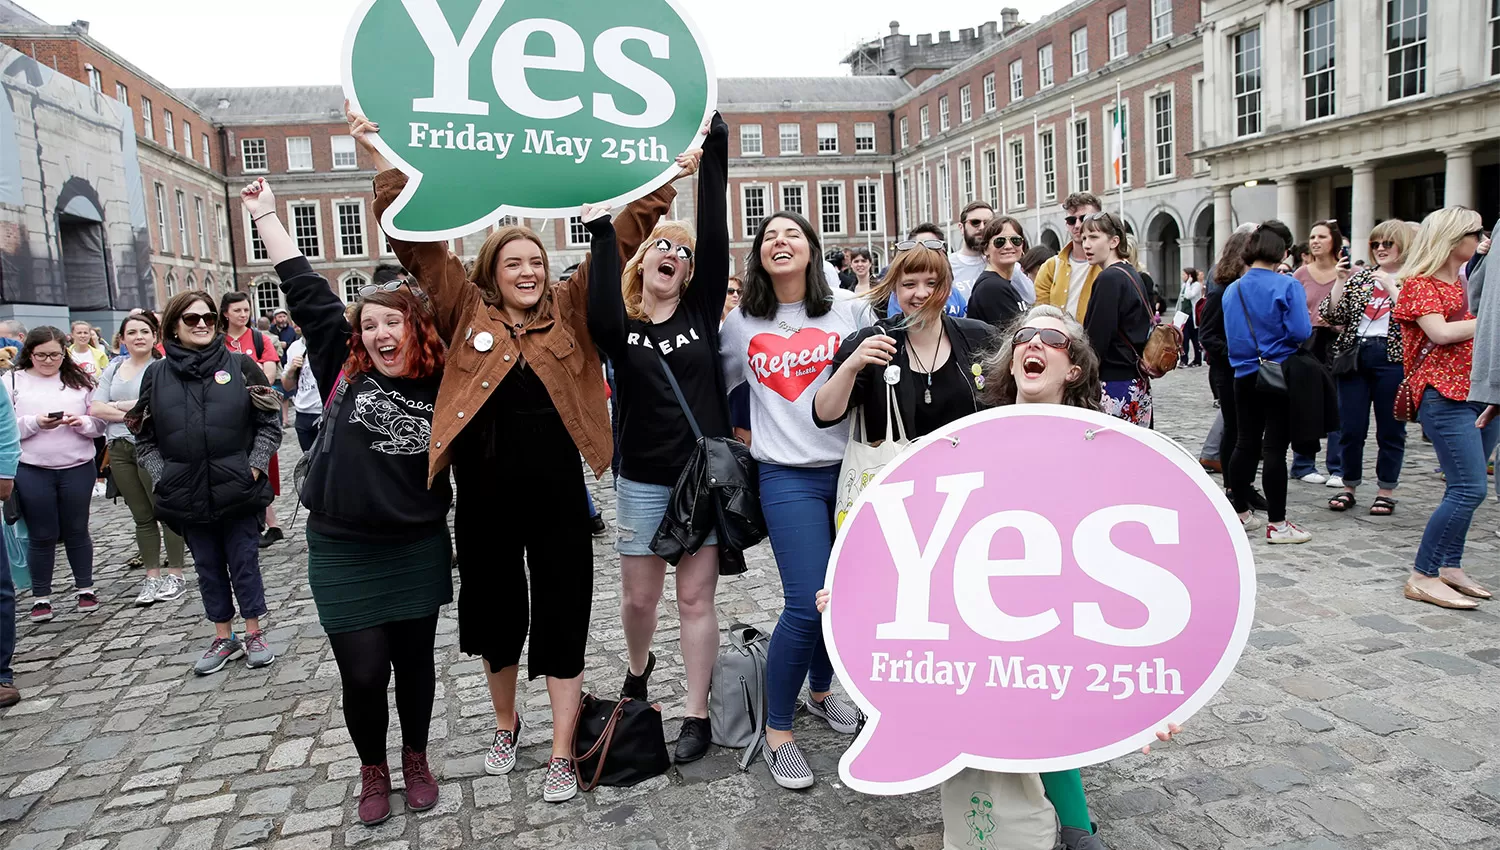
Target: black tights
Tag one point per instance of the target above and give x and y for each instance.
(365, 660)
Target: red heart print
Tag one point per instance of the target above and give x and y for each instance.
(789, 365)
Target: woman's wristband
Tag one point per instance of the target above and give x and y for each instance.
(262, 215)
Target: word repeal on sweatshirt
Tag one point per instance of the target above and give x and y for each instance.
(1087, 576)
(525, 107)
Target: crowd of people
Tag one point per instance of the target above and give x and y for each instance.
(413, 400)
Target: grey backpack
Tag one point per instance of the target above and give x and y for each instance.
(737, 695)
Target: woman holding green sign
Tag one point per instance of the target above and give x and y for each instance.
(522, 396)
(663, 319)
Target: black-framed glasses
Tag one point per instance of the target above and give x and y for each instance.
(734, 290)
(194, 320)
(1381, 245)
(1051, 337)
(1014, 241)
(46, 357)
(683, 252)
(934, 244)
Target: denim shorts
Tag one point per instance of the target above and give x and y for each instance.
(638, 512)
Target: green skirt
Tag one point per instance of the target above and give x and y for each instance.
(360, 585)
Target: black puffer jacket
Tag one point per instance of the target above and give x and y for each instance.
(199, 435)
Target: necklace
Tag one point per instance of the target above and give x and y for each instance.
(786, 326)
(927, 395)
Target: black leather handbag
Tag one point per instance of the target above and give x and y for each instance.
(618, 743)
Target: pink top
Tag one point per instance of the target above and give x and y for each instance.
(1316, 292)
(62, 447)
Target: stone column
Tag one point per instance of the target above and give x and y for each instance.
(1223, 217)
(1362, 210)
(1286, 204)
(1458, 185)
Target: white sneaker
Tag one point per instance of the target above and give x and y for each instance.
(1315, 478)
(149, 589)
(1253, 522)
(1287, 532)
(98, 489)
(169, 587)
(1335, 481)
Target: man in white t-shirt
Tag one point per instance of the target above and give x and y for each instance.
(306, 400)
(968, 260)
(1067, 280)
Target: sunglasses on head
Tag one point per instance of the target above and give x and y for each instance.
(934, 244)
(683, 252)
(1051, 337)
(194, 320)
(371, 288)
(1381, 245)
(1014, 241)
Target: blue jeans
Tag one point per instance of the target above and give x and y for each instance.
(1303, 464)
(7, 618)
(227, 559)
(1462, 451)
(1375, 381)
(798, 504)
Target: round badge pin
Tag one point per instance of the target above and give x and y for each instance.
(483, 341)
(893, 374)
(221, 377)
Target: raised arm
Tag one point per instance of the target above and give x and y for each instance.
(710, 282)
(631, 229)
(437, 269)
(606, 314)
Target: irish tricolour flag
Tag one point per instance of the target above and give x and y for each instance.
(1116, 144)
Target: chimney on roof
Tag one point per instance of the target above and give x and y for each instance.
(223, 103)
(895, 27)
(1010, 20)
(81, 26)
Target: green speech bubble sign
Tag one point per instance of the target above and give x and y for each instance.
(525, 107)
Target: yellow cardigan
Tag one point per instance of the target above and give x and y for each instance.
(1054, 277)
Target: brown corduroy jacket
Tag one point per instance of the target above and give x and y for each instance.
(557, 345)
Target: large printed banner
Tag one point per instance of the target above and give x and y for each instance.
(1037, 588)
(525, 107)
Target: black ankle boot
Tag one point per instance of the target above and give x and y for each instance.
(635, 686)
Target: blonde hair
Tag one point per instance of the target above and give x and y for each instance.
(632, 284)
(1392, 230)
(920, 260)
(1439, 235)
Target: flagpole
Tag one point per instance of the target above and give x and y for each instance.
(1072, 147)
(1000, 167)
(1120, 120)
(974, 168)
(947, 184)
(884, 232)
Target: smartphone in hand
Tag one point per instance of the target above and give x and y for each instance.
(58, 415)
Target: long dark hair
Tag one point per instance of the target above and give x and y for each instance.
(759, 297)
(149, 321)
(71, 374)
(229, 300)
(1231, 265)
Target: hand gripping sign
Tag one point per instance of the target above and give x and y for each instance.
(526, 107)
(1036, 588)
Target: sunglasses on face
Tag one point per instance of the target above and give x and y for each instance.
(976, 223)
(194, 320)
(683, 252)
(1381, 245)
(1051, 337)
(1014, 241)
(934, 244)
(1477, 234)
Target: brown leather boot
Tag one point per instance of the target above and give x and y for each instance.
(421, 788)
(374, 794)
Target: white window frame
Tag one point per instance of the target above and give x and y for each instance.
(245, 155)
(207, 151)
(989, 92)
(291, 164)
(843, 222)
(868, 190)
(1017, 80)
(350, 283)
(944, 179)
(187, 140)
(943, 122)
(924, 120)
(924, 195)
(1313, 76)
(828, 131)
(965, 105)
(967, 187)
(221, 228)
(1420, 46)
(364, 228)
(1494, 22)
(148, 121)
(1016, 153)
(291, 219)
(198, 214)
(1044, 67)
(864, 137)
(334, 142)
(765, 207)
(1157, 139)
(122, 93)
(792, 131)
(800, 189)
(905, 132)
(905, 201)
(1161, 20)
(1119, 34)
(1241, 114)
(1079, 41)
(1047, 149)
(266, 285)
(745, 136)
(578, 235)
(96, 80)
(989, 166)
(163, 234)
(1083, 172)
(171, 128)
(171, 284)
(255, 247)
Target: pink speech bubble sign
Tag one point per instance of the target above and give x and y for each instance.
(1093, 586)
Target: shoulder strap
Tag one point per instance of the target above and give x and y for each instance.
(324, 442)
(257, 342)
(676, 389)
(1253, 339)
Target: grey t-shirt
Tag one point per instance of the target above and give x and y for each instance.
(114, 387)
(785, 360)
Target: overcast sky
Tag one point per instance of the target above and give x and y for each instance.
(186, 43)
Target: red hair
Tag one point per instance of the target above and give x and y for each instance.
(421, 345)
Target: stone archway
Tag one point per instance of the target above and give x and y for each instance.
(1162, 256)
(1049, 238)
(1203, 237)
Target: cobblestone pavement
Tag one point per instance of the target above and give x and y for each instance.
(1356, 719)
